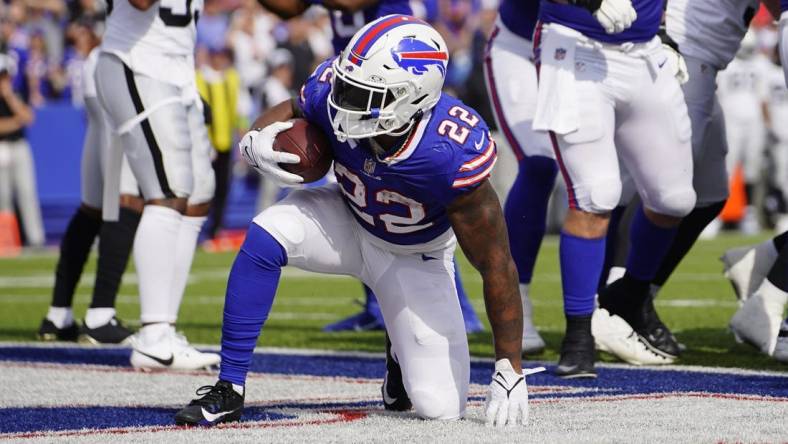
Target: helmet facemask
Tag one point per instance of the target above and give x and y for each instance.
(362, 109)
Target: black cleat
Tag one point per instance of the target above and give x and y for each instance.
(631, 300)
(656, 334)
(113, 332)
(219, 403)
(577, 350)
(47, 332)
(395, 398)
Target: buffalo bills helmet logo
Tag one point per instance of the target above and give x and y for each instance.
(416, 56)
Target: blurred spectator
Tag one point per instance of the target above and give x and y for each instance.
(45, 80)
(81, 40)
(220, 87)
(213, 25)
(17, 172)
(278, 88)
(44, 16)
(458, 25)
(251, 40)
(297, 43)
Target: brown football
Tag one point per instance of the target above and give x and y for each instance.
(311, 145)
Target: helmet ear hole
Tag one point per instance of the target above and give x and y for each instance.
(419, 100)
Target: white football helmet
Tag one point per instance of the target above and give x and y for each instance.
(392, 70)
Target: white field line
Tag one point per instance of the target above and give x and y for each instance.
(329, 301)
(197, 276)
(374, 355)
(214, 274)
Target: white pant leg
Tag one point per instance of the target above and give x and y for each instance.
(709, 141)
(6, 184)
(204, 177)
(316, 230)
(511, 80)
(601, 99)
(417, 298)
(92, 166)
(780, 156)
(24, 178)
(736, 133)
(587, 157)
(158, 149)
(424, 321)
(654, 141)
(754, 144)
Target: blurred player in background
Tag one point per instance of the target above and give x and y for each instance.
(17, 170)
(145, 79)
(759, 273)
(220, 88)
(512, 86)
(277, 88)
(608, 91)
(347, 17)
(742, 92)
(115, 238)
(777, 112)
(412, 166)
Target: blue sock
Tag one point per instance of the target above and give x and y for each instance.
(526, 211)
(581, 264)
(250, 293)
(648, 246)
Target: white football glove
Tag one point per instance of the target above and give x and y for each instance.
(616, 15)
(676, 60)
(507, 397)
(257, 149)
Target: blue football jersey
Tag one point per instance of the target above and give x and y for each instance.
(579, 19)
(783, 5)
(520, 16)
(344, 25)
(402, 198)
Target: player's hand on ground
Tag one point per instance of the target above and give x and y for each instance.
(257, 149)
(507, 396)
(616, 15)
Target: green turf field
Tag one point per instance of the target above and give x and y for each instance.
(697, 304)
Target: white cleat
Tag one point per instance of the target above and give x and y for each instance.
(781, 349)
(533, 344)
(758, 320)
(166, 349)
(612, 334)
(747, 267)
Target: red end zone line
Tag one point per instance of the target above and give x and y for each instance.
(342, 416)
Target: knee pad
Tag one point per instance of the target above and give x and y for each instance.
(677, 203)
(602, 196)
(431, 403)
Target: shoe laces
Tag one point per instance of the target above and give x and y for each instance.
(212, 395)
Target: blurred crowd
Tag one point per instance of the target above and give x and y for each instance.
(50, 39)
(267, 60)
